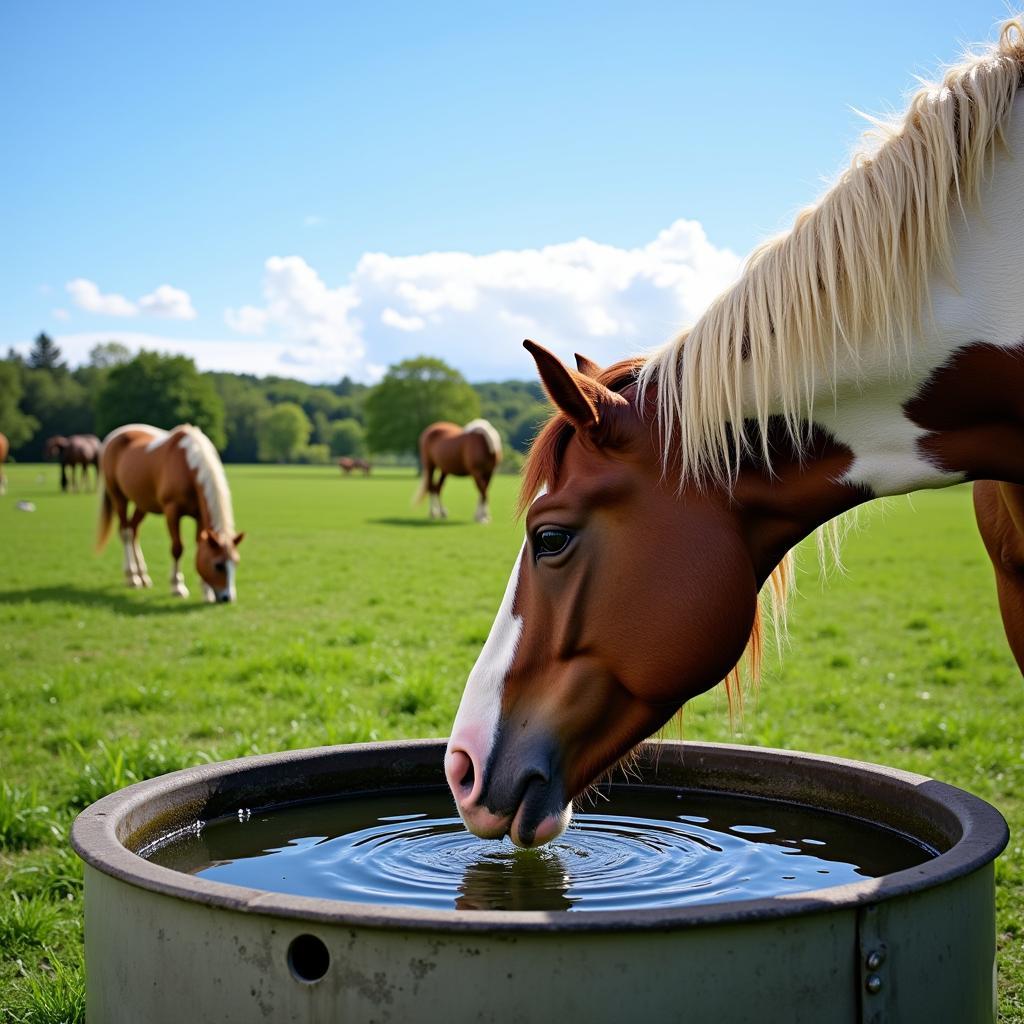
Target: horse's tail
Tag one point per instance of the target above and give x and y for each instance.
(106, 518)
(426, 471)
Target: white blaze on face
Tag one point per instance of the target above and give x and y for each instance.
(477, 719)
(231, 579)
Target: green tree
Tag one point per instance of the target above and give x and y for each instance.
(108, 354)
(58, 403)
(283, 431)
(45, 354)
(347, 438)
(244, 404)
(412, 395)
(18, 425)
(163, 391)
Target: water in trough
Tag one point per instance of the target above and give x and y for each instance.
(646, 847)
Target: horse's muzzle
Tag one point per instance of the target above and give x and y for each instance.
(515, 793)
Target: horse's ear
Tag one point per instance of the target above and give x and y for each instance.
(580, 397)
(587, 367)
(238, 539)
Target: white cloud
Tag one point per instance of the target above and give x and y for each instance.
(474, 310)
(315, 321)
(61, 314)
(169, 302)
(86, 295)
(165, 301)
(392, 318)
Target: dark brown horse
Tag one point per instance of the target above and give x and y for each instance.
(79, 451)
(473, 450)
(346, 464)
(4, 449)
(174, 473)
(875, 350)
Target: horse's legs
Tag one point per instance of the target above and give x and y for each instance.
(173, 516)
(63, 477)
(140, 562)
(483, 513)
(437, 510)
(120, 503)
(1000, 512)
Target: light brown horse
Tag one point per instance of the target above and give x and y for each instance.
(176, 473)
(473, 450)
(877, 349)
(346, 464)
(77, 451)
(5, 447)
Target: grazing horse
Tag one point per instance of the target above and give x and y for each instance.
(473, 450)
(875, 349)
(5, 447)
(347, 464)
(78, 450)
(176, 473)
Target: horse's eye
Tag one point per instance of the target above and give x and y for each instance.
(551, 542)
(221, 566)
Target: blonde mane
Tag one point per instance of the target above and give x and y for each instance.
(204, 461)
(491, 435)
(852, 272)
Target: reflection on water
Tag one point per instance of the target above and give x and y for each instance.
(650, 847)
(515, 880)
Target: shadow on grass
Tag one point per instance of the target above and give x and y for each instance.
(118, 601)
(419, 521)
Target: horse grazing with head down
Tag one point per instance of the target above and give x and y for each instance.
(473, 450)
(176, 473)
(876, 349)
(348, 463)
(76, 451)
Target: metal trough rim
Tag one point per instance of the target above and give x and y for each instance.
(973, 830)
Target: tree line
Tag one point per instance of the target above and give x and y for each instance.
(249, 418)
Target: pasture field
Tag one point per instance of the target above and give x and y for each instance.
(358, 619)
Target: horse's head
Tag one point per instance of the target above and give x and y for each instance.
(54, 446)
(216, 563)
(628, 597)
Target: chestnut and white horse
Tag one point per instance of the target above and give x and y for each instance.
(177, 473)
(875, 349)
(473, 450)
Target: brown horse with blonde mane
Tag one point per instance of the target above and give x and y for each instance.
(5, 447)
(175, 473)
(79, 451)
(876, 349)
(473, 450)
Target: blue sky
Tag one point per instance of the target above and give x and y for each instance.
(224, 169)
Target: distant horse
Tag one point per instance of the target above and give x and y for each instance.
(5, 447)
(876, 349)
(473, 450)
(176, 473)
(78, 450)
(347, 464)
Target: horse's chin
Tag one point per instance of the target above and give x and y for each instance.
(528, 834)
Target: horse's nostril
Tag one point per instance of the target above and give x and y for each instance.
(460, 771)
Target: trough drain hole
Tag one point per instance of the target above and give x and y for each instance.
(308, 958)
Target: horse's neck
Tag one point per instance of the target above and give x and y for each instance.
(952, 406)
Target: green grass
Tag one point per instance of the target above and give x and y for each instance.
(357, 619)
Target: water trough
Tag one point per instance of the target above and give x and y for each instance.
(914, 945)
